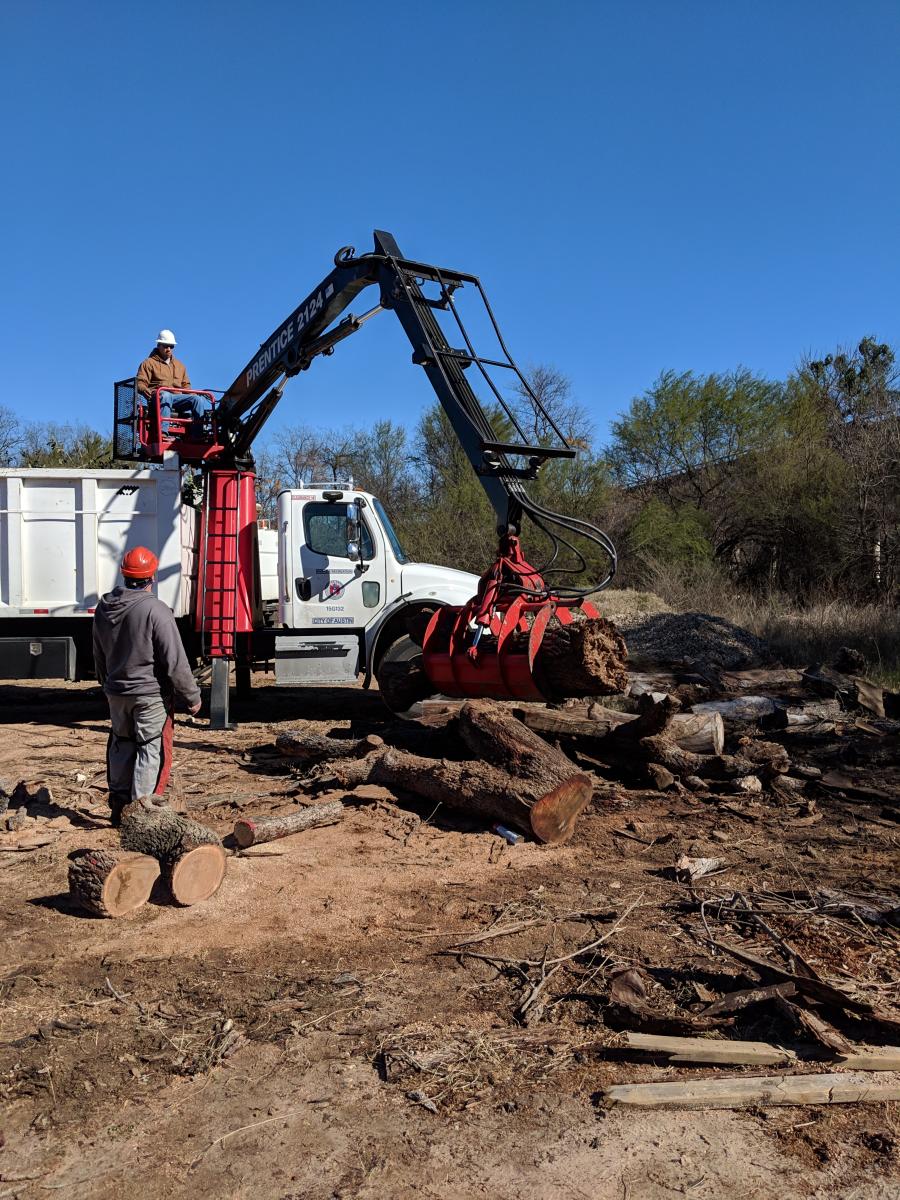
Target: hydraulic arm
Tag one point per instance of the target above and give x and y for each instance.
(468, 651)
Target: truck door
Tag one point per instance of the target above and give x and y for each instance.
(330, 591)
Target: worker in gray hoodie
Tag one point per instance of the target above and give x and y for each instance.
(144, 671)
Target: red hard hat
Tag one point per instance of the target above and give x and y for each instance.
(139, 563)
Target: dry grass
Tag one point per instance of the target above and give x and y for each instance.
(797, 636)
(626, 606)
(815, 634)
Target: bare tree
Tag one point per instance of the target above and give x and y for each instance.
(294, 456)
(553, 391)
(10, 437)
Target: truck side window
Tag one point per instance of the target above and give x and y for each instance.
(325, 530)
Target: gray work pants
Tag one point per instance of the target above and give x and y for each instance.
(139, 752)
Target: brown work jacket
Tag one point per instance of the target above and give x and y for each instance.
(154, 373)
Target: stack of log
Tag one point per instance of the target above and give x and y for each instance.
(157, 842)
(531, 768)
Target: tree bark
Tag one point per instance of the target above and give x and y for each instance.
(253, 831)
(477, 788)
(703, 733)
(314, 747)
(111, 885)
(191, 858)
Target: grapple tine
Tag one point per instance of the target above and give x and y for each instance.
(492, 662)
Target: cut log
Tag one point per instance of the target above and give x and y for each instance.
(547, 804)
(586, 658)
(744, 1092)
(253, 831)
(813, 713)
(683, 763)
(477, 788)
(744, 711)
(702, 733)
(109, 884)
(769, 758)
(706, 1050)
(493, 734)
(196, 875)
(190, 856)
(314, 747)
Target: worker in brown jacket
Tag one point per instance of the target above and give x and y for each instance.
(162, 369)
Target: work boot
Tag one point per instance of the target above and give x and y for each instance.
(116, 804)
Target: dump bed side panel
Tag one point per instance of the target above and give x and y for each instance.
(63, 534)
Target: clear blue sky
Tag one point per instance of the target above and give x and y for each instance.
(640, 185)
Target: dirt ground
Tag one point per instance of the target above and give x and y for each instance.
(303, 1033)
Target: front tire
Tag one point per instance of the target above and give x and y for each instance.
(401, 675)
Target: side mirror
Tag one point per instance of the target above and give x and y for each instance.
(354, 535)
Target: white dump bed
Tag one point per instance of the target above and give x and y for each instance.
(63, 534)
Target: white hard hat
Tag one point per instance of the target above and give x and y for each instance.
(166, 337)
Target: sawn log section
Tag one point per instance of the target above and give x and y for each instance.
(110, 884)
(191, 858)
(516, 778)
(253, 831)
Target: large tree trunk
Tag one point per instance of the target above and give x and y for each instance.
(586, 658)
(252, 831)
(111, 885)
(190, 856)
(520, 780)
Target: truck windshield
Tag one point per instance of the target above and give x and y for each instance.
(389, 530)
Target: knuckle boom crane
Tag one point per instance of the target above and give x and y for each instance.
(467, 650)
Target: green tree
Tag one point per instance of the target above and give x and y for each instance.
(685, 444)
(74, 446)
(855, 401)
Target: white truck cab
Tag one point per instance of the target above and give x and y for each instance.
(346, 588)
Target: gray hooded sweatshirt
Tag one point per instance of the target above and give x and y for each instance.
(138, 650)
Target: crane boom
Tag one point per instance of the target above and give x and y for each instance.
(514, 596)
(310, 331)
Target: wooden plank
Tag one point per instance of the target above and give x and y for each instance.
(741, 1091)
(879, 1058)
(709, 1050)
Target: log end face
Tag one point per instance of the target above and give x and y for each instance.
(197, 874)
(553, 817)
(129, 886)
(244, 832)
